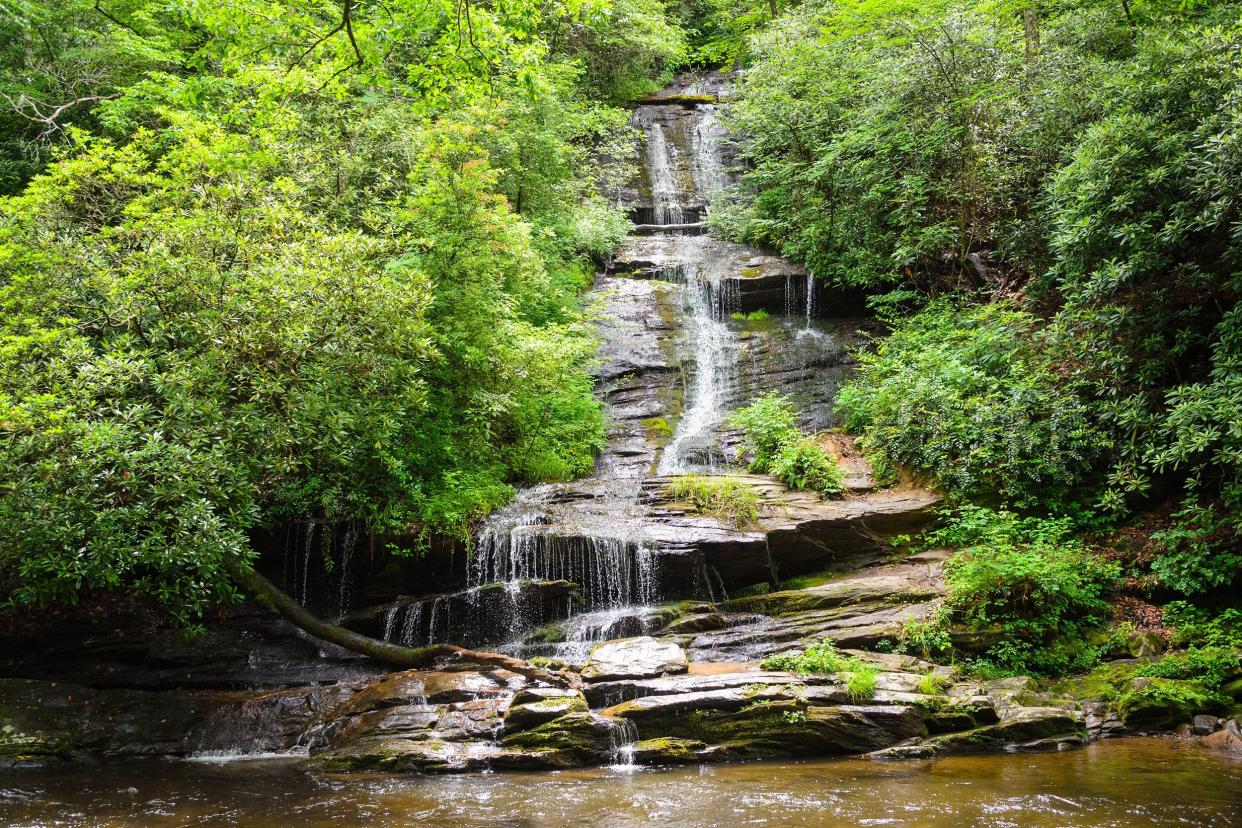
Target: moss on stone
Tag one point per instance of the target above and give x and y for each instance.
(667, 749)
(578, 737)
(658, 427)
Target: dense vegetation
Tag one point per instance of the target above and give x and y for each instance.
(1043, 198)
(273, 260)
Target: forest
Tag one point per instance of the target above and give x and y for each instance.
(339, 263)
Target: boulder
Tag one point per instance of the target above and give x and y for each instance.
(1145, 643)
(1226, 740)
(551, 705)
(1204, 725)
(641, 657)
(571, 740)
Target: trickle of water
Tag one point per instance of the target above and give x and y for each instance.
(621, 738)
(413, 623)
(707, 163)
(390, 622)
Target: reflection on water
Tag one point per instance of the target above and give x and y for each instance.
(1118, 783)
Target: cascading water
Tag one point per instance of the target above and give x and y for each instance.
(661, 165)
(706, 302)
(592, 534)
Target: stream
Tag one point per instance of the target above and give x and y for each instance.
(1122, 782)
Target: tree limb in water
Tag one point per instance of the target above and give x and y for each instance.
(277, 600)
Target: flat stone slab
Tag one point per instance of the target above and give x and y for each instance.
(641, 657)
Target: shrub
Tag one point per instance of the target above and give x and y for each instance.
(967, 396)
(1211, 666)
(825, 659)
(777, 446)
(925, 636)
(1032, 580)
(804, 465)
(768, 423)
(1194, 625)
(723, 498)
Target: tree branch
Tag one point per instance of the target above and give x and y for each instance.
(280, 602)
(99, 8)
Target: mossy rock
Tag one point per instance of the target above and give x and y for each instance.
(1233, 689)
(579, 738)
(682, 99)
(552, 633)
(1161, 704)
(667, 750)
(658, 427)
(1028, 726)
(534, 713)
(789, 728)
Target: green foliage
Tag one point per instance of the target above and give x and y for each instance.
(1079, 191)
(967, 397)
(778, 446)
(1212, 666)
(725, 499)
(754, 316)
(273, 269)
(1030, 580)
(824, 659)
(933, 685)
(925, 637)
(860, 684)
(804, 465)
(1198, 626)
(818, 659)
(769, 423)
(1182, 699)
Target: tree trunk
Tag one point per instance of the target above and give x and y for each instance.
(773, 9)
(1030, 28)
(280, 602)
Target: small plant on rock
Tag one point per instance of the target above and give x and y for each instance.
(725, 499)
(932, 685)
(860, 685)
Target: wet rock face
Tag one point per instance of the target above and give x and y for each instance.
(797, 532)
(61, 720)
(243, 647)
(468, 618)
(642, 657)
(449, 722)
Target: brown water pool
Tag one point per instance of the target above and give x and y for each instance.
(1122, 782)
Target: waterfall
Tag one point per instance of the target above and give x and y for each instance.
(693, 446)
(661, 166)
(621, 738)
(707, 164)
(708, 300)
